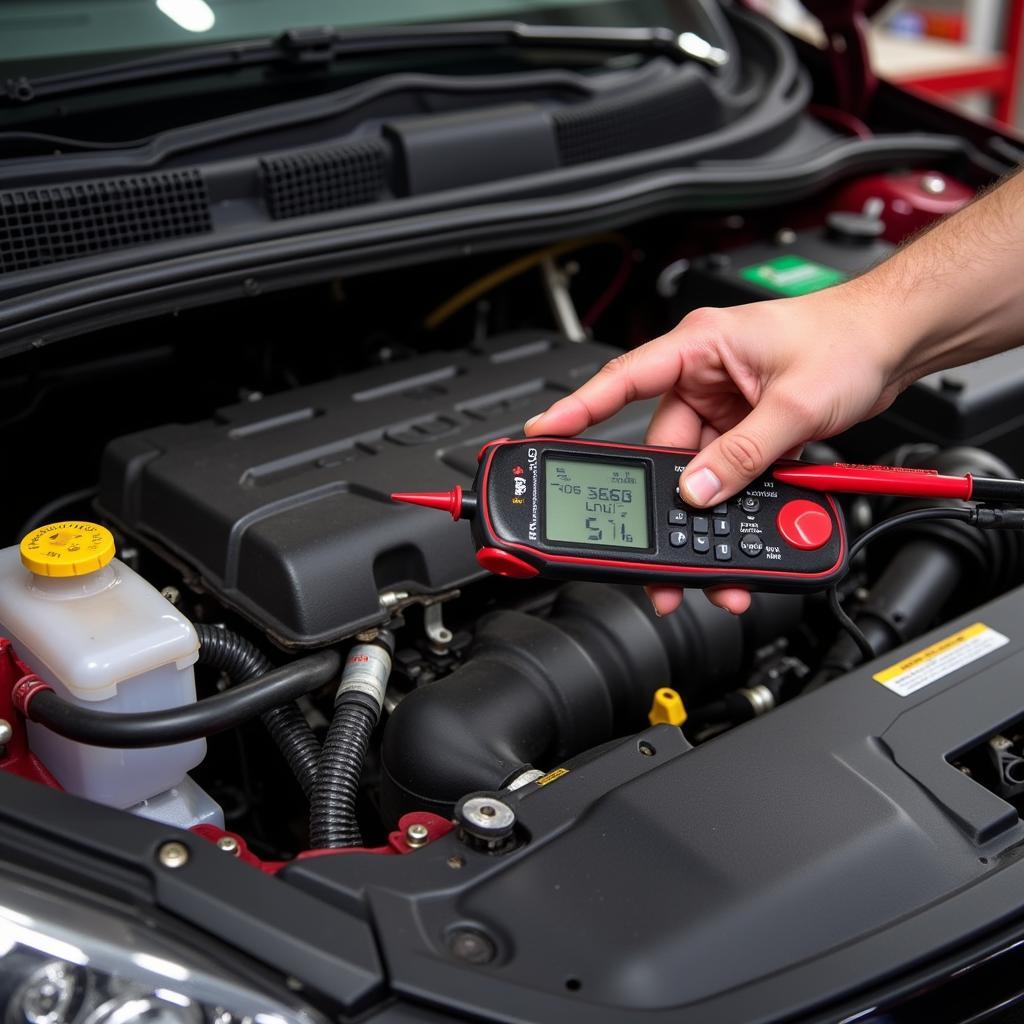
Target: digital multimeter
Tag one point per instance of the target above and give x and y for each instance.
(568, 508)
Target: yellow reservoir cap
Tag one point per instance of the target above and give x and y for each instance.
(667, 708)
(67, 549)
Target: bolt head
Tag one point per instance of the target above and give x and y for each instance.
(6, 732)
(417, 835)
(933, 184)
(472, 946)
(487, 814)
(229, 844)
(173, 855)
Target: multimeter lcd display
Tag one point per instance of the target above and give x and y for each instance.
(601, 503)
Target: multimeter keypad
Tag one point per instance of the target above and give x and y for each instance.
(730, 525)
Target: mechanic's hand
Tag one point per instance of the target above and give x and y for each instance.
(747, 386)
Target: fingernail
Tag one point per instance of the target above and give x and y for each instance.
(700, 487)
(530, 422)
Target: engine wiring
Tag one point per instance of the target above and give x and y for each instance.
(509, 271)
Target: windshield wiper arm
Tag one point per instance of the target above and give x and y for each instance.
(306, 47)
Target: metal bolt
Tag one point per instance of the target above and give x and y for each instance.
(646, 749)
(172, 594)
(785, 236)
(173, 855)
(933, 184)
(486, 822)
(6, 732)
(417, 835)
(760, 698)
(229, 844)
(472, 946)
(488, 815)
(456, 862)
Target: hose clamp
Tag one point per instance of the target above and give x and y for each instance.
(25, 689)
(366, 671)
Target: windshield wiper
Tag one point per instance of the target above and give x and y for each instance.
(313, 47)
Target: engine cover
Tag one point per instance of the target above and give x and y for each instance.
(281, 507)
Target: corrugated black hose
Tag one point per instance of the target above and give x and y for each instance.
(332, 820)
(241, 661)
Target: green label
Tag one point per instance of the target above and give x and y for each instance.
(792, 275)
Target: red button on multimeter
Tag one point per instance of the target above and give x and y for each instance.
(567, 508)
(804, 524)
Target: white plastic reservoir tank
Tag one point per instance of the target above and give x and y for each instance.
(101, 636)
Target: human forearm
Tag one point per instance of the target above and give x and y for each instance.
(954, 294)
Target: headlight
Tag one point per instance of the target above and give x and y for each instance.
(68, 963)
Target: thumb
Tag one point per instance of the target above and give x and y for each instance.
(773, 427)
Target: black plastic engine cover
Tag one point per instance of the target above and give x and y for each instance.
(282, 506)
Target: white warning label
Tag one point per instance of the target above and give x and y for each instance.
(938, 660)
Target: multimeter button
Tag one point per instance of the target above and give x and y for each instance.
(721, 510)
(497, 440)
(700, 524)
(676, 517)
(503, 564)
(749, 504)
(721, 527)
(702, 545)
(751, 545)
(804, 524)
(677, 538)
(723, 553)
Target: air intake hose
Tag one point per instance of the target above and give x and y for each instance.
(929, 567)
(536, 691)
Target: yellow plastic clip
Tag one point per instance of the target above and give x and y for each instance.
(667, 708)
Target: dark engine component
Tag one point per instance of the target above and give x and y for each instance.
(926, 564)
(981, 404)
(281, 507)
(536, 691)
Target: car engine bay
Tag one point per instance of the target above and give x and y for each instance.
(560, 797)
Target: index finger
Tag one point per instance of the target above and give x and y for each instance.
(644, 372)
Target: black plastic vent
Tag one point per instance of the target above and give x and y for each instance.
(665, 112)
(315, 180)
(63, 222)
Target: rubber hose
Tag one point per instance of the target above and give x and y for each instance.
(187, 721)
(333, 823)
(241, 660)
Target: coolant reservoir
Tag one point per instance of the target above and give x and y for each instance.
(101, 636)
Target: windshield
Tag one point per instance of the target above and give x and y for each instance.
(39, 30)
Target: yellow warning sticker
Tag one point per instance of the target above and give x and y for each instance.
(938, 660)
(552, 776)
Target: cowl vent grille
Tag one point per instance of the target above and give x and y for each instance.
(54, 223)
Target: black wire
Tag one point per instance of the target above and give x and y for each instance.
(42, 515)
(914, 515)
(867, 652)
